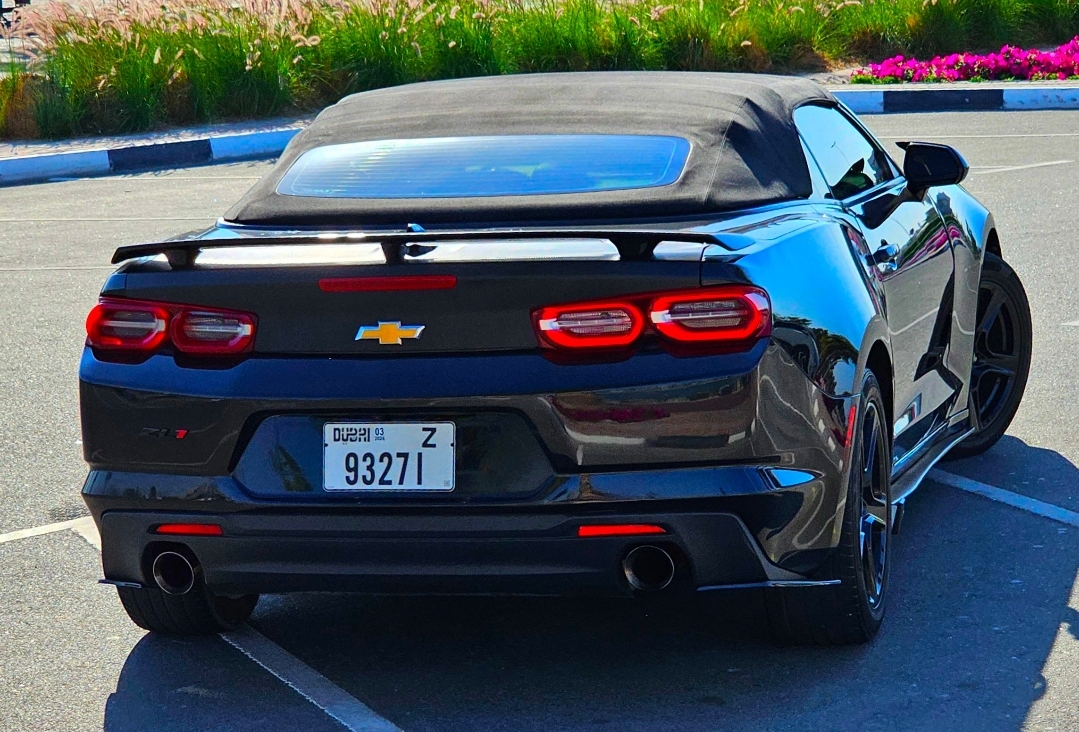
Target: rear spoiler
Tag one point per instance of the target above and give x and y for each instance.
(631, 244)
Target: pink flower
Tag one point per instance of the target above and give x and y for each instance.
(1010, 62)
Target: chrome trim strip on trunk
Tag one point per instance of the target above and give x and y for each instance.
(631, 243)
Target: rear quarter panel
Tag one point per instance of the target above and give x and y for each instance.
(825, 307)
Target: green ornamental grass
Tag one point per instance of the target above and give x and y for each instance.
(129, 65)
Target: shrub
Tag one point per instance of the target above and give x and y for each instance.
(130, 65)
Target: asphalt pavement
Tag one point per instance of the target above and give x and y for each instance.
(982, 632)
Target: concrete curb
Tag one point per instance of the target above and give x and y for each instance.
(875, 100)
(270, 143)
(130, 158)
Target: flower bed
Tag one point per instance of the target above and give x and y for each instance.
(1009, 64)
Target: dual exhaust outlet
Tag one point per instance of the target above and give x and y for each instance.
(646, 568)
(174, 573)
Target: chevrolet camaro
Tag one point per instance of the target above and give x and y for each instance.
(622, 334)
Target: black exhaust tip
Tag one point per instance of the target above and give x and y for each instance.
(648, 568)
(173, 573)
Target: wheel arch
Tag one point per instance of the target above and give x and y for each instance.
(992, 243)
(970, 224)
(880, 363)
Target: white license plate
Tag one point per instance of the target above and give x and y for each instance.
(388, 456)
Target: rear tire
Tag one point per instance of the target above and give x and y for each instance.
(197, 612)
(1002, 346)
(852, 611)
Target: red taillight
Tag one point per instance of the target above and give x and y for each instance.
(619, 530)
(591, 325)
(189, 529)
(716, 314)
(713, 316)
(138, 326)
(127, 326)
(207, 331)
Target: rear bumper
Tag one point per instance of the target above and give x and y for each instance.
(423, 554)
(747, 437)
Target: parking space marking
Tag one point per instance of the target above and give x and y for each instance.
(71, 219)
(73, 268)
(356, 716)
(162, 176)
(1011, 168)
(87, 529)
(1015, 500)
(985, 137)
(308, 683)
(294, 673)
(82, 526)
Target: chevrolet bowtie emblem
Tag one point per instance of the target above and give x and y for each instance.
(388, 334)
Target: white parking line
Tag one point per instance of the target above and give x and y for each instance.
(73, 268)
(77, 219)
(1015, 500)
(87, 529)
(308, 683)
(985, 137)
(1011, 168)
(356, 716)
(301, 678)
(82, 526)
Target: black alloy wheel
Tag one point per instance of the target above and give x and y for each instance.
(873, 524)
(997, 352)
(1002, 345)
(852, 610)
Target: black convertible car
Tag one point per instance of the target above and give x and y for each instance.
(613, 333)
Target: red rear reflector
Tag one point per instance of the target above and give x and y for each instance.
(852, 418)
(387, 284)
(216, 332)
(619, 530)
(717, 314)
(130, 326)
(189, 529)
(590, 325)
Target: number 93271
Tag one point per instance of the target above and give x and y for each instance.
(397, 456)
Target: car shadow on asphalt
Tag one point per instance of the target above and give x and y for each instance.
(978, 593)
(1071, 620)
(169, 685)
(1029, 470)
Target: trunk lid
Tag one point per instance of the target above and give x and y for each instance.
(495, 287)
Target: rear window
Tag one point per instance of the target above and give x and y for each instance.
(462, 167)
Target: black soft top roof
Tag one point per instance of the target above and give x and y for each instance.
(745, 149)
